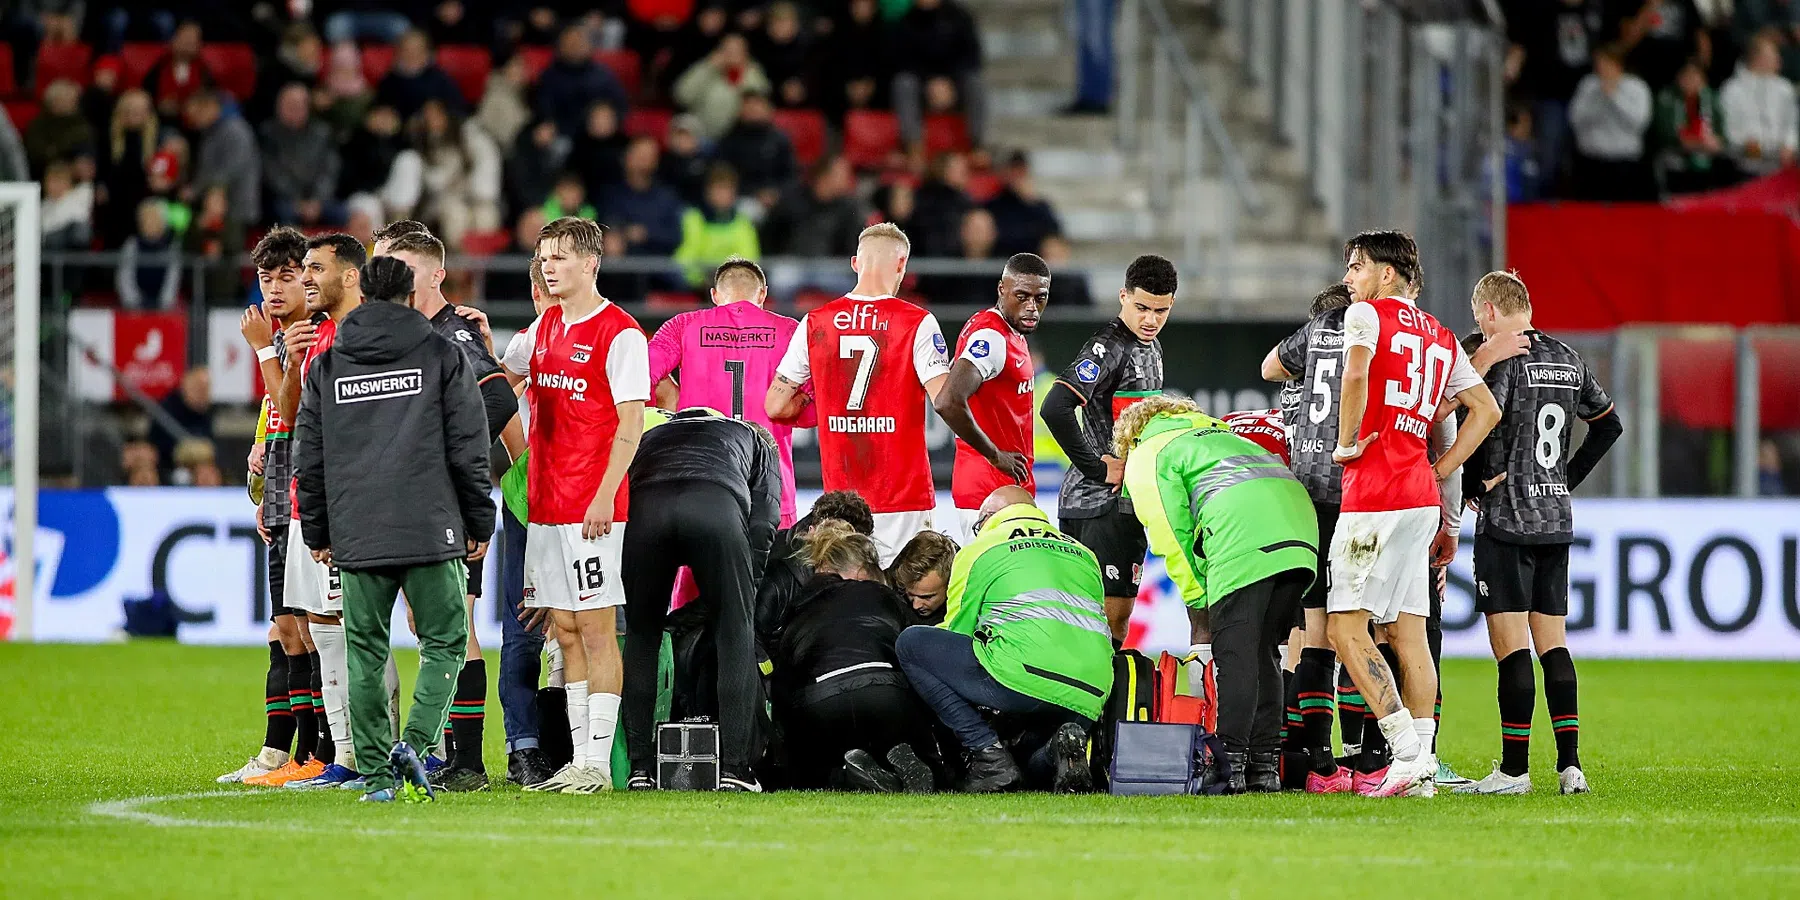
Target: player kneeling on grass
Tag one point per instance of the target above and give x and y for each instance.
(392, 457)
(1024, 634)
(1241, 541)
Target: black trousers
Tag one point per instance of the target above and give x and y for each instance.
(694, 524)
(873, 717)
(1249, 625)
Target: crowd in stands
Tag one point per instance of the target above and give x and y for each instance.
(692, 129)
(1637, 99)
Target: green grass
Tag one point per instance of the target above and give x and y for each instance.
(109, 755)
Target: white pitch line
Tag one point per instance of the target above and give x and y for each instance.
(131, 810)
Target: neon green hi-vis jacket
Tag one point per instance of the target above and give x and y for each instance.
(1031, 597)
(1221, 511)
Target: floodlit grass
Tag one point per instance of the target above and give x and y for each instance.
(108, 754)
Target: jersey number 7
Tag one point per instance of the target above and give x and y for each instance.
(1420, 394)
(864, 348)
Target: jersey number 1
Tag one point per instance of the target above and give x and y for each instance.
(736, 368)
(864, 348)
(1427, 370)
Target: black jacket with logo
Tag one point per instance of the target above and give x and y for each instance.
(497, 397)
(391, 448)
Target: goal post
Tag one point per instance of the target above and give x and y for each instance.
(20, 303)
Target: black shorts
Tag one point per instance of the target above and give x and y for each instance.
(1315, 595)
(1118, 539)
(278, 538)
(1521, 577)
(475, 574)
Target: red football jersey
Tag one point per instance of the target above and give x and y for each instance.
(1002, 406)
(1415, 361)
(326, 331)
(868, 359)
(1265, 428)
(579, 372)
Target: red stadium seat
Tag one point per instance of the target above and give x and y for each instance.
(672, 301)
(651, 122)
(7, 85)
(136, 60)
(983, 186)
(869, 136)
(945, 132)
(467, 65)
(232, 67)
(62, 61)
(21, 112)
(624, 65)
(376, 60)
(806, 129)
(486, 243)
(537, 59)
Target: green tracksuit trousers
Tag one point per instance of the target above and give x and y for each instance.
(435, 592)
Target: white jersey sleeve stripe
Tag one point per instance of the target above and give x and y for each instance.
(795, 365)
(518, 352)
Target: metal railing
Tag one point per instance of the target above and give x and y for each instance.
(1176, 119)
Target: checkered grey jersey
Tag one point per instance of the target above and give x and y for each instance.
(278, 463)
(1113, 371)
(1316, 351)
(1540, 395)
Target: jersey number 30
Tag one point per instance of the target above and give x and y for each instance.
(1427, 371)
(864, 348)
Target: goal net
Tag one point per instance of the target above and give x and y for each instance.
(20, 238)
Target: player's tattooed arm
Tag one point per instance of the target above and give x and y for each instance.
(785, 400)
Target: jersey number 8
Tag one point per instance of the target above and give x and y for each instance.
(1550, 422)
(864, 348)
(1421, 394)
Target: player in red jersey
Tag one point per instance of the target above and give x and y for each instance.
(872, 359)
(991, 392)
(589, 369)
(1400, 365)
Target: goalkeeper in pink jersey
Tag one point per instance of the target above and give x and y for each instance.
(727, 353)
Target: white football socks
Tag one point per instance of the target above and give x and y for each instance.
(576, 694)
(1426, 729)
(554, 651)
(603, 722)
(334, 679)
(1402, 738)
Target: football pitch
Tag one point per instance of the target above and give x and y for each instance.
(108, 754)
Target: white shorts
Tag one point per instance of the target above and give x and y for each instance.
(893, 530)
(311, 586)
(1381, 562)
(563, 570)
(965, 525)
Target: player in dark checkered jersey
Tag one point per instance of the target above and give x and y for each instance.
(1521, 481)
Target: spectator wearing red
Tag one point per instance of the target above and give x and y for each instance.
(646, 213)
(821, 218)
(180, 73)
(1022, 217)
(760, 154)
(939, 207)
(415, 78)
(1687, 129)
(713, 88)
(785, 52)
(854, 60)
(572, 84)
(300, 162)
(654, 26)
(939, 69)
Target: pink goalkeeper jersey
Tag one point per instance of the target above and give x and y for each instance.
(726, 357)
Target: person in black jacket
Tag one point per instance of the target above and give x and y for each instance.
(788, 570)
(391, 454)
(840, 697)
(706, 494)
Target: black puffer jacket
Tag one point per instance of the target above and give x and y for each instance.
(390, 447)
(840, 635)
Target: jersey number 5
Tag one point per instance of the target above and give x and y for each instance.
(864, 348)
(1320, 410)
(1427, 370)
